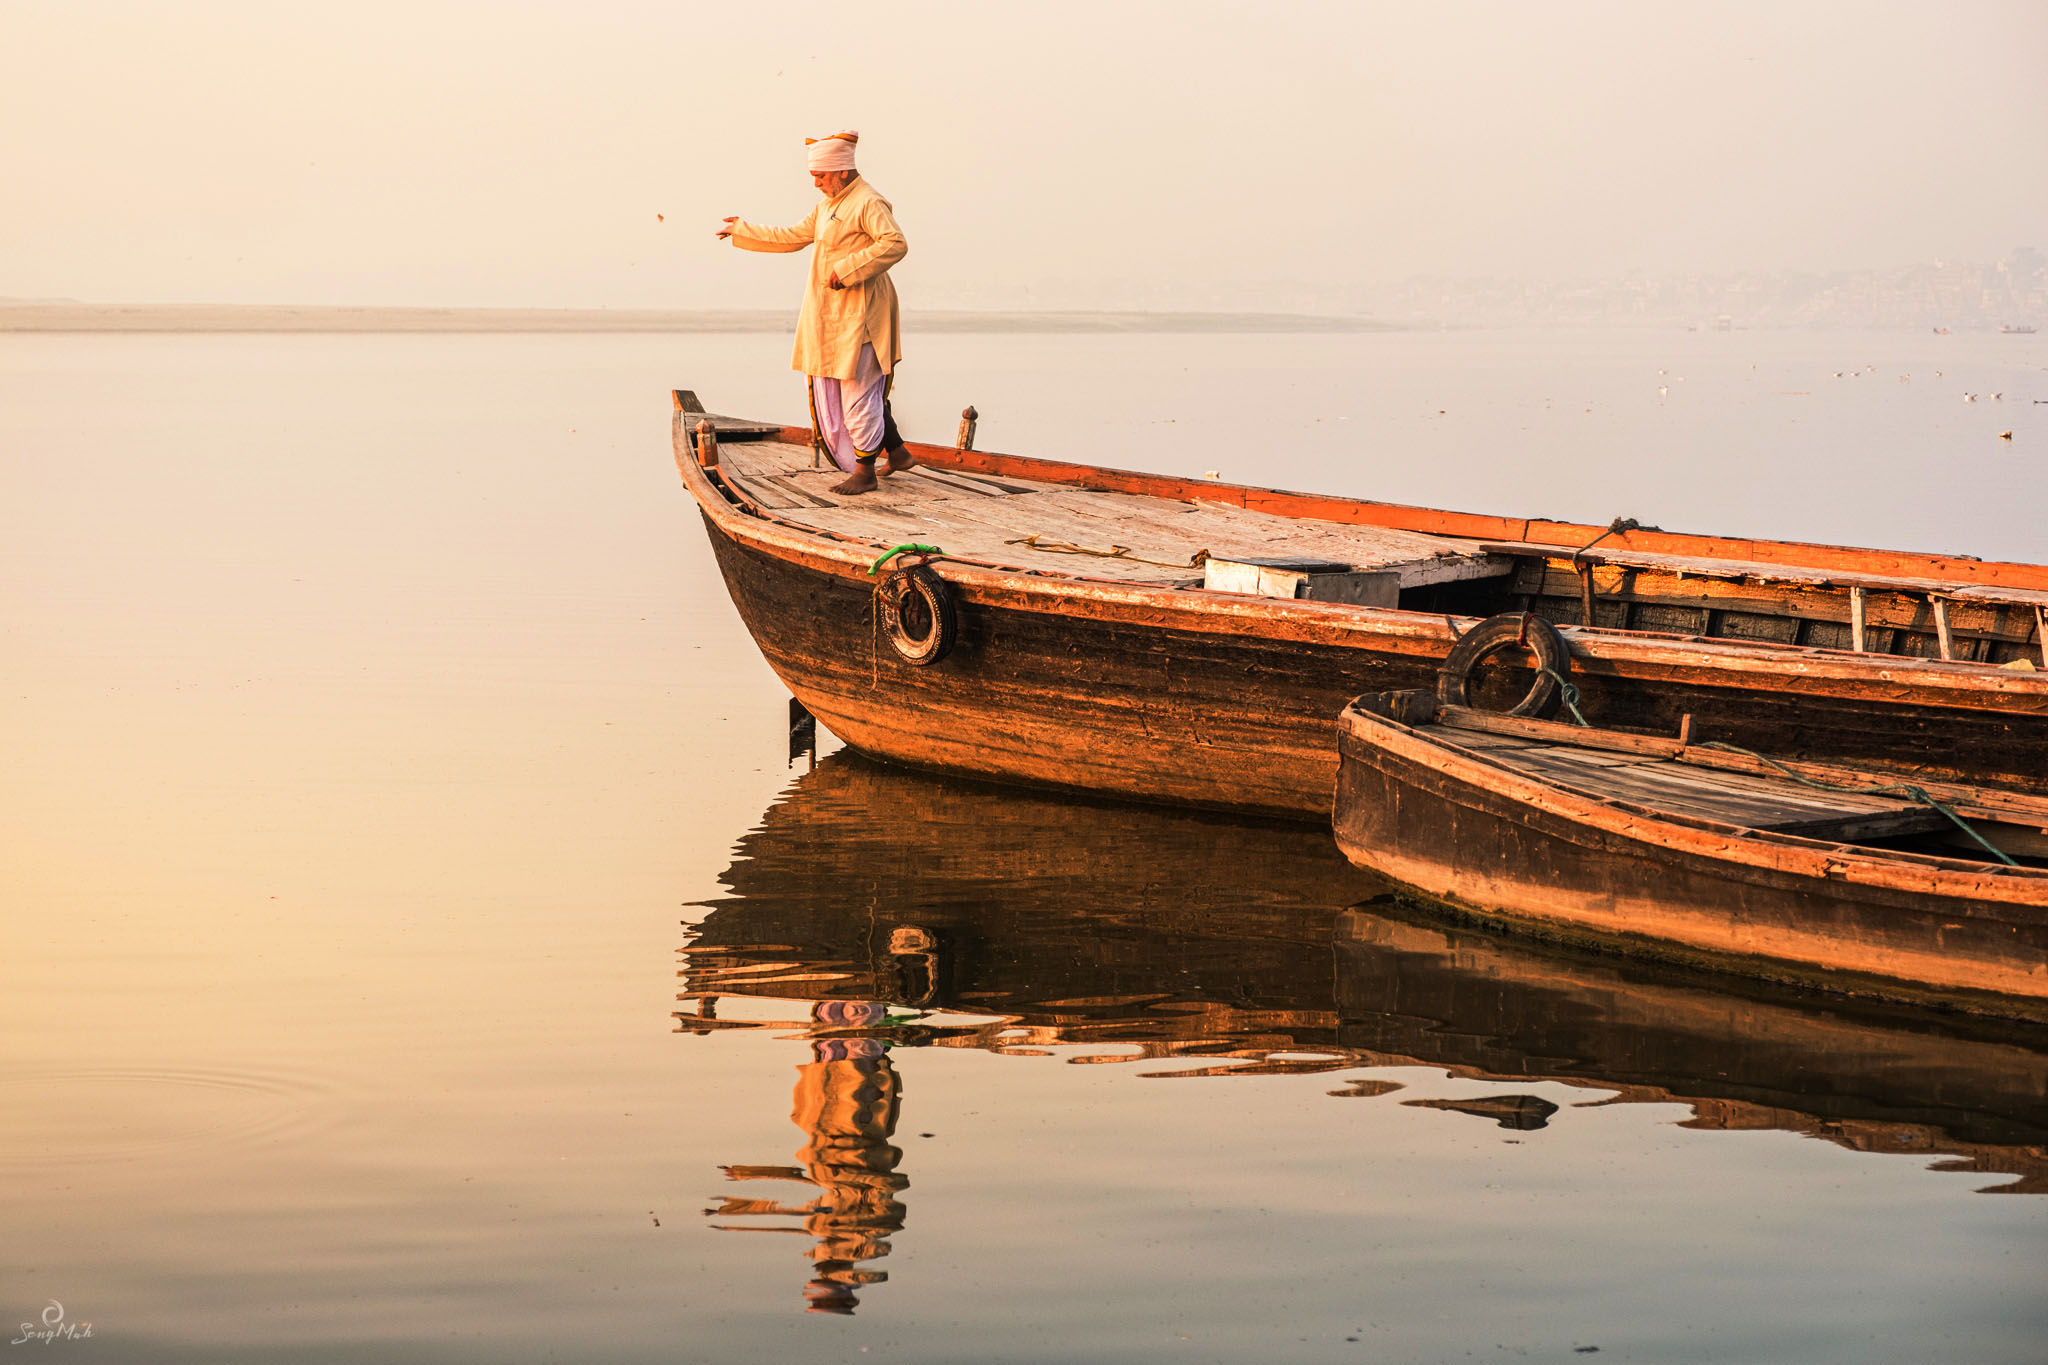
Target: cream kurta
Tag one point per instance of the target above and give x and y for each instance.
(857, 236)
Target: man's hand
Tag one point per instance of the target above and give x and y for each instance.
(726, 231)
(836, 283)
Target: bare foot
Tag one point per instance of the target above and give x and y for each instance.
(862, 480)
(901, 459)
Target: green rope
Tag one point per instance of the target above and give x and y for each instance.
(1904, 789)
(907, 547)
(1571, 696)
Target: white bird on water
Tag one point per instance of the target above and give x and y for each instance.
(1969, 398)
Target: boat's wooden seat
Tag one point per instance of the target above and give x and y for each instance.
(1062, 529)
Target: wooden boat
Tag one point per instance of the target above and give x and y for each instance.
(1097, 639)
(1803, 872)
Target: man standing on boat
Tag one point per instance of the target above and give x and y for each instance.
(847, 338)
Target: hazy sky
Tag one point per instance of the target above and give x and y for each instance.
(1047, 154)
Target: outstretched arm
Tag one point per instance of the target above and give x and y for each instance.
(887, 248)
(760, 237)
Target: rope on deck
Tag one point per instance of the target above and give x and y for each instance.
(1067, 547)
(1569, 693)
(908, 547)
(1900, 789)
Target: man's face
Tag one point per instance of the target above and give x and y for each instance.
(830, 183)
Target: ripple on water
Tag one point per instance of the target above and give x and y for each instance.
(96, 1115)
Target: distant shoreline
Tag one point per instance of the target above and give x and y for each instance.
(40, 316)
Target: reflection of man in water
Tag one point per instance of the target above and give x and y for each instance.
(846, 1102)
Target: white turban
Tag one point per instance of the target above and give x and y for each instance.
(834, 153)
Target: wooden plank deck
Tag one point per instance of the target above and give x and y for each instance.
(1049, 527)
(1668, 783)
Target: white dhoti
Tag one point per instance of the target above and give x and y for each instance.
(851, 413)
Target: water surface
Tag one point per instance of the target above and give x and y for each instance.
(414, 925)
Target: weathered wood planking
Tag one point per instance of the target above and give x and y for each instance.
(1666, 784)
(1770, 597)
(959, 511)
(1045, 686)
(732, 428)
(1700, 566)
(1699, 869)
(1088, 673)
(1961, 570)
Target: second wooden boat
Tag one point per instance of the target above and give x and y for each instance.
(1192, 642)
(1801, 872)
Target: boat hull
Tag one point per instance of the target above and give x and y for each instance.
(1167, 697)
(1053, 698)
(1492, 842)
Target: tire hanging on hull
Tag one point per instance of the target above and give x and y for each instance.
(893, 598)
(1516, 630)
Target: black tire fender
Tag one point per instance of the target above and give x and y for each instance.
(893, 595)
(1516, 630)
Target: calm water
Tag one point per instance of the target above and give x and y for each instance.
(419, 948)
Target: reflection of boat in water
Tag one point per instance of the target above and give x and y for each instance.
(1195, 946)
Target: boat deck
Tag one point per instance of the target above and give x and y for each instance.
(1671, 783)
(1054, 528)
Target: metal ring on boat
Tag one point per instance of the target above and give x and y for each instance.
(1496, 633)
(892, 598)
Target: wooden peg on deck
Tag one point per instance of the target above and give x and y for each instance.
(1856, 619)
(1685, 728)
(707, 444)
(968, 417)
